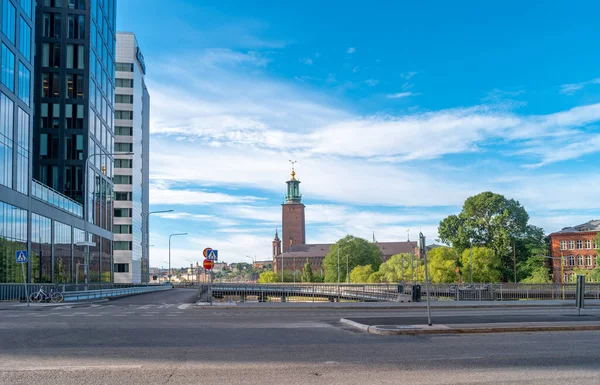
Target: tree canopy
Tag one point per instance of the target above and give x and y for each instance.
(442, 263)
(353, 252)
(268, 277)
(500, 224)
(402, 267)
(486, 265)
(307, 273)
(361, 274)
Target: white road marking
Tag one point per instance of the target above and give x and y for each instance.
(184, 306)
(145, 307)
(71, 368)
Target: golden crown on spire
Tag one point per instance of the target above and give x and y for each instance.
(293, 172)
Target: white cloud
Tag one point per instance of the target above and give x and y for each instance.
(400, 95)
(570, 89)
(371, 82)
(408, 75)
(167, 196)
(351, 50)
(306, 60)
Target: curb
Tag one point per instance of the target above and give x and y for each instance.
(398, 307)
(444, 329)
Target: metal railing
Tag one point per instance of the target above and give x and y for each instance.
(231, 292)
(46, 194)
(16, 291)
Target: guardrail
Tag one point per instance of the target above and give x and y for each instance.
(46, 194)
(108, 293)
(391, 292)
(16, 291)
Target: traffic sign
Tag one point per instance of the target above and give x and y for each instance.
(21, 256)
(208, 264)
(206, 252)
(213, 255)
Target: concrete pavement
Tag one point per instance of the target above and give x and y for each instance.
(138, 341)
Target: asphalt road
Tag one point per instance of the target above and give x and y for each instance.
(160, 339)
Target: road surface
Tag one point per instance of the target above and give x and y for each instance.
(160, 338)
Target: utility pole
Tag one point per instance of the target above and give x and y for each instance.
(515, 258)
(338, 264)
(424, 254)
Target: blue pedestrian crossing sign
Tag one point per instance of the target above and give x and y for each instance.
(21, 256)
(213, 255)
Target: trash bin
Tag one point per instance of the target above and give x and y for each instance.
(416, 293)
(400, 289)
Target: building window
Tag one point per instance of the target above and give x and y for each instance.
(571, 245)
(122, 213)
(579, 245)
(77, 4)
(579, 260)
(123, 131)
(51, 55)
(51, 25)
(127, 99)
(50, 85)
(563, 245)
(8, 68)
(124, 115)
(9, 15)
(123, 196)
(571, 260)
(25, 39)
(125, 67)
(26, 5)
(588, 260)
(24, 83)
(588, 244)
(126, 83)
(566, 278)
(123, 147)
(121, 267)
(76, 27)
(74, 86)
(122, 245)
(123, 163)
(122, 229)
(122, 179)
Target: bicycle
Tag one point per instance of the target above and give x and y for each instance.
(41, 295)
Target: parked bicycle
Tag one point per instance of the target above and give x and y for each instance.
(42, 295)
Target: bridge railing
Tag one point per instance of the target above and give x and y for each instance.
(289, 292)
(16, 291)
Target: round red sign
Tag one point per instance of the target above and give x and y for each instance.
(208, 264)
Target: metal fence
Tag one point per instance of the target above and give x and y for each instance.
(16, 291)
(230, 292)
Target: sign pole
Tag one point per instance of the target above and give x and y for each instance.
(424, 254)
(25, 283)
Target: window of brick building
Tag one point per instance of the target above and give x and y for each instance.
(588, 244)
(571, 260)
(588, 260)
(571, 245)
(579, 245)
(563, 245)
(579, 260)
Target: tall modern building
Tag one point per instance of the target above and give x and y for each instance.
(34, 217)
(132, 106)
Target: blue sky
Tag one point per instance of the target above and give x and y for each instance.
(395, 112)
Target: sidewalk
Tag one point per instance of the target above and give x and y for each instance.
(396, 305)
(16, 305)
(468, 323)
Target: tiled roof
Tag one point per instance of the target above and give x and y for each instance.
(593, 225)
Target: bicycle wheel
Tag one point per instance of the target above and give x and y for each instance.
(35, 297)
(56, 297)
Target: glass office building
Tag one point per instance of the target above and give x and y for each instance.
(48, 223)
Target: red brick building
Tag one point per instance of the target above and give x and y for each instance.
(575, 247)
(292, 248)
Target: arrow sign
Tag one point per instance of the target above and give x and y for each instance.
(21, 256)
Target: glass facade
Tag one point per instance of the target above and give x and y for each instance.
(13, 237)
(76, 44)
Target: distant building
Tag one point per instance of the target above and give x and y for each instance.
(575, 247)
(262, 264)
(220, 266)
(292, 249)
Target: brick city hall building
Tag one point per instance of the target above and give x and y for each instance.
(292, 250)
(573, 248)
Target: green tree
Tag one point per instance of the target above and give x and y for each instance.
(353, 252)
(268, 277)
(486, 265)
(534, 270)
(597, 243)
(402, 267)
(488, 220)
(540, 274)
(361, 274)
(307, 273)
(442, 263)
(377, 277)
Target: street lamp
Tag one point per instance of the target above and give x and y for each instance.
(85, 181)
(147, 245)
(172, 235)
(471, 258)
(86, 264)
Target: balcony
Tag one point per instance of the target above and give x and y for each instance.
(45, 194)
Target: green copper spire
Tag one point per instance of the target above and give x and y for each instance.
(293, 189)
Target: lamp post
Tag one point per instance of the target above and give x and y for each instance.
(338, 265)
(147, 243)
(86, 209)
(172, 235)
(471, 258)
